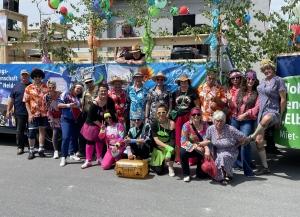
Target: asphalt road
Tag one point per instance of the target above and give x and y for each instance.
(41, 188)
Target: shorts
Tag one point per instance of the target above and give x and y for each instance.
(38, 122)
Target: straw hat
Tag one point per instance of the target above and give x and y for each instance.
(266, 62)
(159, 75)
(24, 71)
(183, 77)
(135, 48)
(235, 73)
(116, 78)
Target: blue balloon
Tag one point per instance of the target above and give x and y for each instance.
(216, 2)
(215, 12)
(247, 18)
(213, 42)
(96, 6)
(108, 15)
(215, 23)
(151, 2)
(62, 20)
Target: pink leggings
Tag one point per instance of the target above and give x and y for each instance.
(89, 149)
(108, 160)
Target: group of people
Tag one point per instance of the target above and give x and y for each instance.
(212, 123)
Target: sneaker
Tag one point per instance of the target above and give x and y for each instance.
(262, 171)
(55, 155)
(78, 154)
(41, 153)
(171, 171)
(74, 157)
(86, 164)
(20, 151)
(31, 155)
(63, 162)
(187, 179)
(99, 161)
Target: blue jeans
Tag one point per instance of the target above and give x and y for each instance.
(247, 128)
(70, 133)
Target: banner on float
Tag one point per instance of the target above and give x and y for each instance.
(288, 67)
(62, 74)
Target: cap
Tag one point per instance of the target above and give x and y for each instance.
(24, 71)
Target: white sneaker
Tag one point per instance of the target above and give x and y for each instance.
(171, 171)
(63, 162)
(74, 157)
(86, 164)
(187, 179)
(55, 155)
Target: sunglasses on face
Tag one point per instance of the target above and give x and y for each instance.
(250, 79)
(159, 79)
(196, 114)
(88, 82)
(136, 120)
(161, 113)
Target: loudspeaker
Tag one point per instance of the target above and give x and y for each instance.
(179, 21)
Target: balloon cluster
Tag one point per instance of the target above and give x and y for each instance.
(66, 16)
(182, 10)
(102, 8)
(244, 20)
(155, 6)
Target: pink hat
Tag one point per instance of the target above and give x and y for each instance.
(235, 73)
(195, 110)
(251, 74)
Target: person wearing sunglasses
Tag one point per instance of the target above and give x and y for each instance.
(244, 108)
(163, 136)
(89, 94)
(192, 134)
(272, 93)
(113, 135)
(157, 95)
(138, 140)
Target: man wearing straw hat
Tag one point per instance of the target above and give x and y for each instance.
(135, 56)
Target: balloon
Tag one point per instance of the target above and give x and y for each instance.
(54, 4)
(111, 3)
(174, 11)
(247, 18)
(62, 20)
(215, 12)
(96, 5)
(70, 16)
(296, 29)
(160, 3)
(184, 10)
(154, 11)
(50, 6)
(216, 2)
(239, 22)
(297, 40)
(108, 15)
(132, 21)
(151, 2)
(105, 5)
(215, 23)
(63, 10)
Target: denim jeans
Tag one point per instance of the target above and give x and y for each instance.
(184, 156)
(247, 128)
(21, 123)
(70, 133)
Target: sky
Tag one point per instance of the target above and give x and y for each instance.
(29, 9)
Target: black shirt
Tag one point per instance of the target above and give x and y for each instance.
(184, 102)
(17, 94)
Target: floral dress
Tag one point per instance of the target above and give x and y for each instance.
(225, 148)
(120, 104)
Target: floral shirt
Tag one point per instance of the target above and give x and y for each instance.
(137, 101)
(238, 110)
(34, 97)
(120, 104)
(206, 93)
(154, 99)
(188, 135)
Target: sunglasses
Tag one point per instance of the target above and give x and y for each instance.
(88, 82)
(236, 78)
(161, 113)
(160, 79)
(136, 119)
(196, 114)
(250, 79)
